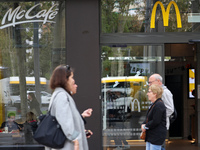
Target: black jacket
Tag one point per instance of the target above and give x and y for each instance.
(156, 132)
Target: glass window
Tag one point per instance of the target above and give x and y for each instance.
(133, 16)
(32, 45)
(125, 72)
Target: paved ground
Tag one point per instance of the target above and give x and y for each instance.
(181, 145)
(175, 144)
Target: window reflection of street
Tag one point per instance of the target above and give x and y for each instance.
(124, 107)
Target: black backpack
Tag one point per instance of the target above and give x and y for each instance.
(173, 116)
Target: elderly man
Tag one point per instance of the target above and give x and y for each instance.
(167, 98)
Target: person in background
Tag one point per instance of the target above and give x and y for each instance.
(13, 127)
(64, 109)
(31, 119)
(155, 122)
(34, 104)
(167, 98)
(30, 127)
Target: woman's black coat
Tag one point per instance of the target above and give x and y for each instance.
(156, 124)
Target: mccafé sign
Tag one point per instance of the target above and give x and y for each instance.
(20, 16)
(165, 14)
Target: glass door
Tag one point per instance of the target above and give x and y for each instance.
(125, 72)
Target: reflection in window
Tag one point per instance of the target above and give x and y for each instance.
(125, 72)
(33, 43)
(134, 16)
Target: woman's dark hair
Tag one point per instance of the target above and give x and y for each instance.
(30, 116)
(59, 76)
(32, 95)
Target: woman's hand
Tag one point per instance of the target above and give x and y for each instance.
(142, 128)
(87, 113)
(76, 145)
(88, 133)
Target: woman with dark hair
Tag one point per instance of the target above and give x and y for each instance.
(31, 119)
(63, 107)
(30, 127)
(34, 104)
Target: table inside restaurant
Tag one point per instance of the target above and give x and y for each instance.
(16, 141)
(12, 138)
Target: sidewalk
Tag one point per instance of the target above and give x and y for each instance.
(181, 144)
(175, 144)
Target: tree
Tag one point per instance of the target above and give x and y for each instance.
(21, 66)
(116, 18)
(17, 46)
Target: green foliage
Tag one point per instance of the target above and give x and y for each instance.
(115, 16)
(45, 43)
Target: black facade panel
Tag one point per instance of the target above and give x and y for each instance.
(82, 44)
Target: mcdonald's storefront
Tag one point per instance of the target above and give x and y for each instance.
(157, 36)
(114, 46)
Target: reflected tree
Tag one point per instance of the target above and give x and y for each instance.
(17, 47)
(21, 55)
(115, 15)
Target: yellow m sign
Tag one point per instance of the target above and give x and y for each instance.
(165, 14)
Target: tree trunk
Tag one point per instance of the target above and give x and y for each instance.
(59, 46)
(121, 23)
(12, 54)
(21, 55)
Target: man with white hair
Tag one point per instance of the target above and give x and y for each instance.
(167, 98)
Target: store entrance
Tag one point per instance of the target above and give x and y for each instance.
(174, 84)
(179, 59)
(125, 72)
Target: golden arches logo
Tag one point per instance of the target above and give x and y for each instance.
(165, 14)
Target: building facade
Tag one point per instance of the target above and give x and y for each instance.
(114, 46)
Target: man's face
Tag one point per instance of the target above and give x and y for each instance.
(152, 80)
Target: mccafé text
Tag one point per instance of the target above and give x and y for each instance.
(17, 14)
